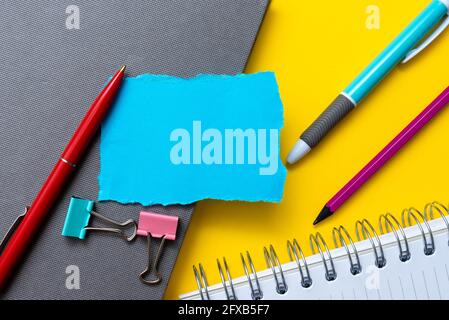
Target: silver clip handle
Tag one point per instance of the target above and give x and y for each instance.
(152, 267)
(120, 226)
(428, 41)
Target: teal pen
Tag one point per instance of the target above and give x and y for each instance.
(402, 49)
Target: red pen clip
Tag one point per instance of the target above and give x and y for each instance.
(12, 229)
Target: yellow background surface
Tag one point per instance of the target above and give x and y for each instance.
(316, 48)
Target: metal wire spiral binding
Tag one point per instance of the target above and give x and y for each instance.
(341, 232)
(256, 292)
(429, 245)
(272, 261)
(294, 252)
(317, 240)
(441, 208)
(230, 294)
(201, 281)
(404, 254)
(368, 232)
(341, 237)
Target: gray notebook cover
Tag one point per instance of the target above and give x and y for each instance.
(51, 73)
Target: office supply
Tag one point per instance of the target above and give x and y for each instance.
(24, 233)
(153, 225)
(60, 70)
(383, 156)
(401, 48)
(190, 134)
(406, 259)
(78, 217)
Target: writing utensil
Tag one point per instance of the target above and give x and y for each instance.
(382, 157)
(24, 229)
(401, 49)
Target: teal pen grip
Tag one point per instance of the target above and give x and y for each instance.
(327, 120)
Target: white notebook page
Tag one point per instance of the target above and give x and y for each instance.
(421, 277)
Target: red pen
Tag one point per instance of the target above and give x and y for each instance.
(24, 229)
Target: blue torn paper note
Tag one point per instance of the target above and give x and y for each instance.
(170, 140)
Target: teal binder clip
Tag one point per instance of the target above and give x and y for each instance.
(78, 217)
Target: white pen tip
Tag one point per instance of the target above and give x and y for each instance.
(299, 150)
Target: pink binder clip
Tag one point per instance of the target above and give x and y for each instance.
(152, 225)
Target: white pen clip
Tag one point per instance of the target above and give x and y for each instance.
(413, 53)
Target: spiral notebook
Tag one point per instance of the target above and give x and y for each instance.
(405, 258)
